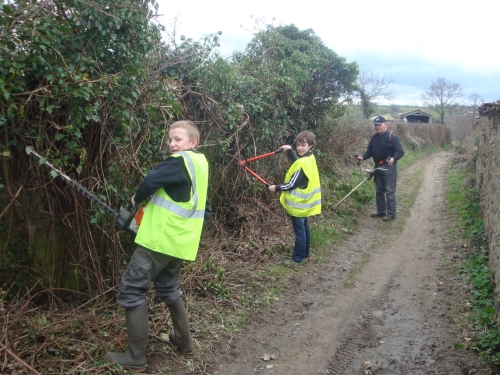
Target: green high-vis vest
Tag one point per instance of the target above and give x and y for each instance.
(303, 202)
(174, 228)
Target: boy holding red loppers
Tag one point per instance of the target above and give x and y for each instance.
(301, 194)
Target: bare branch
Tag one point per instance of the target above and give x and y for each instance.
(374, 85)
(441, 95)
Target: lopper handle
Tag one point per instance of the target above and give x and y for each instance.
(257, 176)
(278, 151)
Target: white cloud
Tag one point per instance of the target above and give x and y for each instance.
(415, 43)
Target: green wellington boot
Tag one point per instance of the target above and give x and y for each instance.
(134, 358)
(179, 335)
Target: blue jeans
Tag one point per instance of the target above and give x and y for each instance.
(302, 236)
(385, 187)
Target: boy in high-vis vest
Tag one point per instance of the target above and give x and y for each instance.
(301, 194)
(169, 233)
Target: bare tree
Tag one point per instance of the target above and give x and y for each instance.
(372, 86)
(476, 100)
(395, 108)
(441, 96)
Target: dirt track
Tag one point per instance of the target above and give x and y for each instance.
(395, 311)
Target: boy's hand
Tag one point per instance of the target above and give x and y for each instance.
(132, 200)
(286, 147)
(272, 188)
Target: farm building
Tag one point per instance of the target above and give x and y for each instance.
(417, 116)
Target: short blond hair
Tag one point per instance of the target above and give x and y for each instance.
(191, 129)
(306, 136)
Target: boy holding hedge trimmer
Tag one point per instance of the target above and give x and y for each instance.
(301, 194)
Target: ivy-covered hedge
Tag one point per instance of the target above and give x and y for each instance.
(93, 87)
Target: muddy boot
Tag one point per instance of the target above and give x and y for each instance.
(134, 358)
(179, 335)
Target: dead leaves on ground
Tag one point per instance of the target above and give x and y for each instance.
(268, 357)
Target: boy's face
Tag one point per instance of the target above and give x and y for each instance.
(302, 147)
(178, 140)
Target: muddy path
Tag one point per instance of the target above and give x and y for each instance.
(385, 294)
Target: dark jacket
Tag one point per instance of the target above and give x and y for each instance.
(382, 147)
(299, 178)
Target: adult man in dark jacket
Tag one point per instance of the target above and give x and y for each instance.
(386, 150)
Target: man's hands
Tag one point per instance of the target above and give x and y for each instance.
(359, 159)
(132, 200)
(272, 188)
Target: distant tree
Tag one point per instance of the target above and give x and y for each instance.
(365, 104)
(395, 108)
(442, 95)
(475, 100)
(372, 86)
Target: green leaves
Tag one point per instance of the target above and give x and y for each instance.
(91, 85)
(303, 78)
(72, 65)
(7, 9)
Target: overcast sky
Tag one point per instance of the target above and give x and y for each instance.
(412, 42)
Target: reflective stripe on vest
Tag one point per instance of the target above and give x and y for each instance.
(174, 207)
(302, 205)
(305, 196)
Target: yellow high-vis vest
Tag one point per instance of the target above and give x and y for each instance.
(174, 228)
(303, 202)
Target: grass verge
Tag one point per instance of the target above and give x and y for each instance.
(478, 318)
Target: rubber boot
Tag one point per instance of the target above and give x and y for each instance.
(179, 335)
(134, 358)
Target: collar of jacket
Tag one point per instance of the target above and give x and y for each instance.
(306, 154)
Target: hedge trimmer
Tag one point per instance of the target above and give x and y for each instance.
(243, 164)
(127, 219)
(369, 171)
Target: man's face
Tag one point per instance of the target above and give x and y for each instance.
(380, 128)
(302, 147)
(178, 140)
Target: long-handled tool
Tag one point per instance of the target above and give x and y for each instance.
(369, 171)
(126, 219)
(361, 183)
(243, 164)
